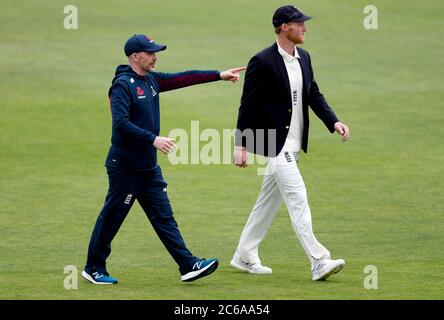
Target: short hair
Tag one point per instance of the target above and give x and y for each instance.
(277, 30)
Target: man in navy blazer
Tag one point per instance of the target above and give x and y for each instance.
(273, 121)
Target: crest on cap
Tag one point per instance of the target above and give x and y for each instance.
(287, 14)
(141, 43)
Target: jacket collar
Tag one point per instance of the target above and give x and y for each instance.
(287, 57)
(280, 66)
(282, 70)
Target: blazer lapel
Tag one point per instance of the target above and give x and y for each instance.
(305, 75)
(282, 70)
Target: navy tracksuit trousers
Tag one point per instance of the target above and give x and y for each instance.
(149, 188)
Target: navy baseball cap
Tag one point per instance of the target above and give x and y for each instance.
(287, 14)
(141, 43)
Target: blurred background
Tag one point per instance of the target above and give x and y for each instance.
(376, 200)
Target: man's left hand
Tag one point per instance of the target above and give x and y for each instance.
(232, 74)
(342, 129)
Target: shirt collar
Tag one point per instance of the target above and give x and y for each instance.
(288, 58)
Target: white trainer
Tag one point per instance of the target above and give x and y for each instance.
(250, 267)
(322, 269)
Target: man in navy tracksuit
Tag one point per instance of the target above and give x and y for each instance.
(131, 163)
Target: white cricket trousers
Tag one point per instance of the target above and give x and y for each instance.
(282, 181)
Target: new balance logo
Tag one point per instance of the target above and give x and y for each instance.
(153, 91)
(197, 265)
(287, 156)
(295, 97)
(128, 199)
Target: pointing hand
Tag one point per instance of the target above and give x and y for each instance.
(232, 74)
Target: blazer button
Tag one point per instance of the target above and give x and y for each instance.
(286, 127)
(289, 110)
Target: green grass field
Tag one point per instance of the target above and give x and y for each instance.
(376, 200)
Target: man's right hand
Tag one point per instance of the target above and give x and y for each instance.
(164, 144)
(240, 157)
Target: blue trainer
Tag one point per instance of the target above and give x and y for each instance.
(200, 269)
(99, 277)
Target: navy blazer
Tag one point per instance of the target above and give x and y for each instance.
(266, 105)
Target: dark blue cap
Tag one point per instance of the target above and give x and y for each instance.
(287, 14)
(141, 43)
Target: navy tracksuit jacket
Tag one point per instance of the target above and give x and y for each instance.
(131, 163)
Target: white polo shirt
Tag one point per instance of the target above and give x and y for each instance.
(294, 138)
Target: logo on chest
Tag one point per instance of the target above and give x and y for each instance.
(153, 92)
(140, 93)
